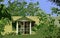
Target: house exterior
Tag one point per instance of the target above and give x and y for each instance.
(21, 25)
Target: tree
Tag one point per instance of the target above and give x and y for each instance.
(4, 13)
(55, 11)
(4, 17)
(32, 8)
(1, 0)
(46, 26)
(3, 22)
(16, 8)
(22, 8)
(57, 2)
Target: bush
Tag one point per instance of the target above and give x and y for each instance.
(11, 34)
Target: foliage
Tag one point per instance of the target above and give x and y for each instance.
(4, 12)
(57, 2)
(22, 8)
(1, 0)
(32, 8)
(4, 17)
(58, 33)
(11, 34)
(46, 27)
(16, 8)
(55, 11)
(3, 22)
(34, 28)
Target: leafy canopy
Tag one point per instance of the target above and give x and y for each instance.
(57, 2)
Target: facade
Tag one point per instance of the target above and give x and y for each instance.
(21, 25)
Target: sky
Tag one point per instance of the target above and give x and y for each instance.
(45, 5)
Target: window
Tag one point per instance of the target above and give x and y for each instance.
(27, 27)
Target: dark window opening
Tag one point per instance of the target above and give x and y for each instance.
(32, 23)
(19, 26)
(14, 25)
(27, 27)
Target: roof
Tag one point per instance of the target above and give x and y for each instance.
(31, 18)
(24, 19)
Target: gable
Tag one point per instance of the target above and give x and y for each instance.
(31, 18)
(24, 18)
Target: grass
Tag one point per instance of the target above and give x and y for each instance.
(24, 36)
(39, 34)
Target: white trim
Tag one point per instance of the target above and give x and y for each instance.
(30, 27)
(24, 20)
(23, 27)
(17, 28)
